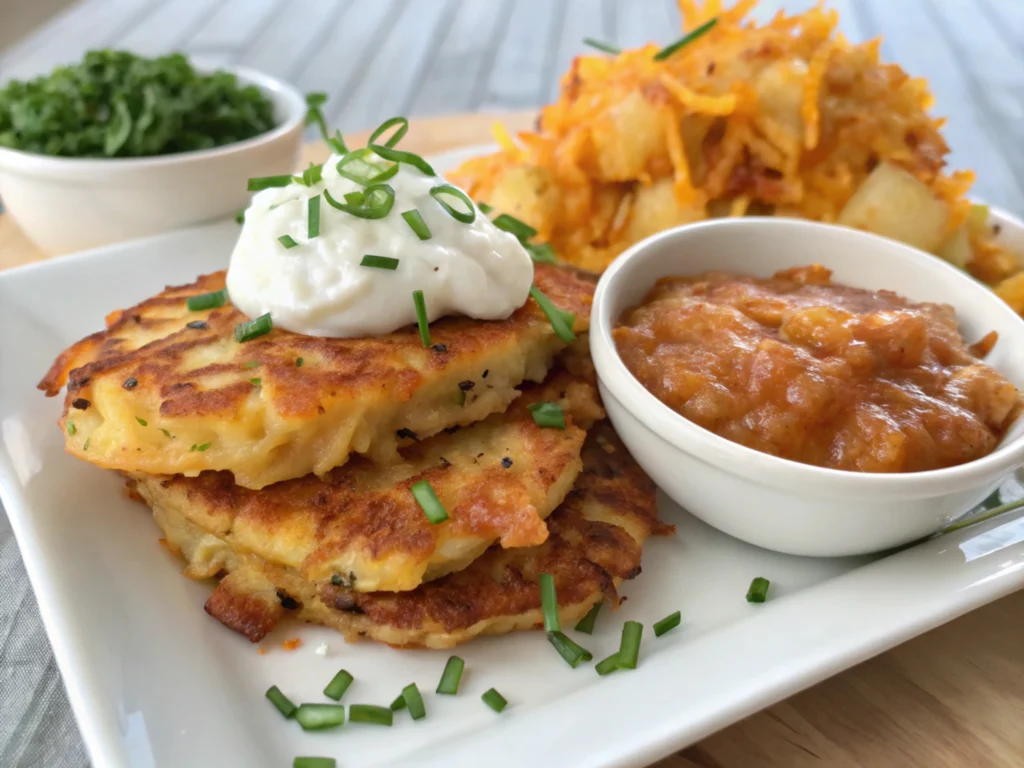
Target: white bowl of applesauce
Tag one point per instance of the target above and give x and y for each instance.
(809, 388)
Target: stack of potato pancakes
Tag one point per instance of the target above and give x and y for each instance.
(284, 466)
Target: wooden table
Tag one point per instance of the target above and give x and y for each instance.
(952, 697)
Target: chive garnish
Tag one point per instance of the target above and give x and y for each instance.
(414, 701)
(143, 422)
(485, 208)
(547, 415)
(398, 156)
(686, 39)
(398, 703)
(608, 665)
(512, 225)
(251, 329)
(314, 762)
(549, 603)
(494, 700)
(313, 114)
(167, 433)
(283, 703)
(758, 590)
(249, 364)
(572, 653)
(256, 381)
(379, 262)
(560, 321)
(337, 143)
(287, 241)
(421, 317)
(396, 136)
(467, 216)
(72, 428)
(266, 182)
(602, 46)
(317, 717)
(312, 175)
(417, 224)
(203, 447)
(85, 447)
(449, 683)
(313, 218)
(629, 647)
(667, 624)
(460, 398)
(207, 300)
(586, 624)
(240, 216)
(541, 253)
(377, 202)
(298, 362)
(369, 713)
(355, 167)
(355, 198)
(428, 501)
(338, 685)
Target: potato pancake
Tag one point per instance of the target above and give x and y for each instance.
(360, 525)
(164, 390)
(594, 543)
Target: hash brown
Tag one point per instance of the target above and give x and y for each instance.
(165, 391)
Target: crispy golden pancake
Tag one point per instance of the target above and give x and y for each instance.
(360, 525)
(594, 543)
(166, 391)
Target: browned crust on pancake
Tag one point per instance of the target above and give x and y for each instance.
(247, 603)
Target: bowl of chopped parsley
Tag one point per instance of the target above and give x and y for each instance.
(120, 146)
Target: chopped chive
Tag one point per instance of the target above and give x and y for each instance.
(314, 116)
(560, 321)
(354, 166)
(143, 422)
(283, 703)
(547, 415)
(417, 224)
(629, 647)
(314, 762)
(337, 143)
(355, 198)
(686, 39)
(601, 46)
(484, 207)
(312, 175)
(758, 590)
(370, 713)
(377, 202)
(338, 685)
(667, 624)
(428, 501)
(460, 398)
(167, 432)
(317, 717)
(396, 136)
(414, 701)
(72, 428)
(570, 651)
(240, 216)
(206, 300)
(421, 317)
(549, 603)
(194, 446)
(287, 241)
(586, 624)
(398, 703)
(313, 218)
(467, 216)
(379, 262)
(298, 362)
(203, 447)
(449, 683)
(85, 447)
(251, 329)
(608, 665)
(541, 253)
(494, 700)
(266, 182)
(256, 381)
(398, 156)
(251, 364)
(514, 226)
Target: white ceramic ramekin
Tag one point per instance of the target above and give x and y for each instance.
(68, 204)
(772, 502)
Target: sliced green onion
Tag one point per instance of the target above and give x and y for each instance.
(377, 202)
(572, 653)
(396, 136)
(428, 501)
(369, 713)
(207, 300)
(417, 224)
(313, 218)
(398, 156)
(72, 428)
(460, 398)
(266, 182)
(586, 624)
(547, 415)
(629, 646)
(514, 226)
(317, 717)
(355, 167)
(167, 432)
(758, 590)
(313, 114)
(312, 175)
(314, 762)
(468, 216)
(608, 665)
(988, 514)
(601, 46)
(287, 241)
(338, 685)
(549, 603)
(421, 317)
(337, 143)
(143, 422)
(667, 624)
(451, 676)
(414, 701)
(203, 447)
(398, 703)
(560, 321)
(485, 208)
(355, 198)
(494, 700)
(298, 362)
(379, 262)
(541, 253)
(240, 216)
(686, 39)
(251, 329)
(283, 703)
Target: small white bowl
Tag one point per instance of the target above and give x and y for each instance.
(67, 204)
(776, 503)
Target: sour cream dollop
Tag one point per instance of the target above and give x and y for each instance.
(318, 287)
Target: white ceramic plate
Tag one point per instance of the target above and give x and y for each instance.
(155, 682)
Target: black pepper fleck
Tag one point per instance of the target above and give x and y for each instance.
(130, 383)
(997, 228)
(466, 385)
(197, 325)
(484, 374)
(440, 347)
(506, 462)
(404, 432)
(80, 403)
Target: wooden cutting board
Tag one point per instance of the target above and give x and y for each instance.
(951, 697)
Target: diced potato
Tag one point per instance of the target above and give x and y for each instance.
(957, 248)
(780, 93)
(656, 208)
(893, 203)
(527, 193)
(620, 159)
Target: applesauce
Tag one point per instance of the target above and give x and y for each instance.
(824, 374)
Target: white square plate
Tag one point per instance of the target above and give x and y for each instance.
(155, 682)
